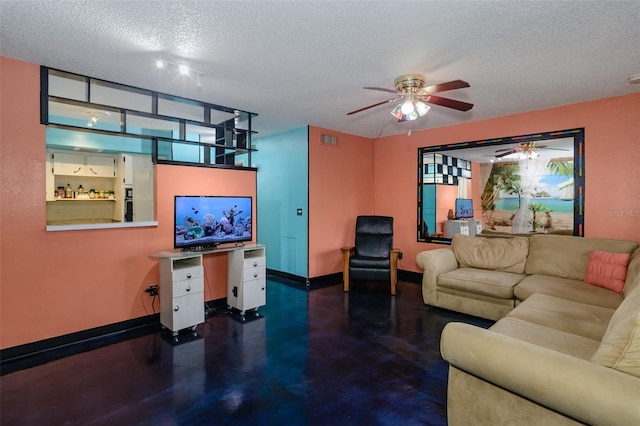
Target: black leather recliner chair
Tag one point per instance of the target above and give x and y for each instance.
(372, 258)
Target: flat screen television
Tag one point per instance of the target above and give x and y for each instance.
(204, 222)
(464, 208)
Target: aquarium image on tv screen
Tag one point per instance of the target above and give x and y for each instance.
(207, 221)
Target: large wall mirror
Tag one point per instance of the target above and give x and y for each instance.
(511, 185)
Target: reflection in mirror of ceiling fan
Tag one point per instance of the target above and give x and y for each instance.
(414, 97)
(525, 151)
(95, 116)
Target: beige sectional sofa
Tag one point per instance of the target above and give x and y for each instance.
(562, 351)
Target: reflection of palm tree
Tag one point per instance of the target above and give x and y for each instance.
(563, 168)
(535, 208)
(560, 167)
(502, 175)
(513, 187)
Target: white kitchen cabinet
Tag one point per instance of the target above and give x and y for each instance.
(135, 172)
(100, 166)
(125, 169)
(50, 183)
(181, 292)
(247, 282)
(67, 163)
(73, 164)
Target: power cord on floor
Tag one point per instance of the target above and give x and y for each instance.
(153, 304)
(218, 312)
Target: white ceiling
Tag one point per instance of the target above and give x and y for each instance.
(306, 62)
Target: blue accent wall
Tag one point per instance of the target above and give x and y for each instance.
(428, 209)
(282, 188)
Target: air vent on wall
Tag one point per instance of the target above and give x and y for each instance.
(329, 139)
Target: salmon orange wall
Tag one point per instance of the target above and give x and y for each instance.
(612, 155)
(55, 283)
(340, 188)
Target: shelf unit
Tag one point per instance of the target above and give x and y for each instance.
(181, 292)
(180, 130)
(247, 283)
(84, 199)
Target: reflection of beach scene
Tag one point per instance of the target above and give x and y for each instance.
(532, 195)
(554, 204)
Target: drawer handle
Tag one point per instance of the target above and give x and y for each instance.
(176, 308)
(255, 275)
(255, 263)
(189, 275)
(262, 288)
(188, 288)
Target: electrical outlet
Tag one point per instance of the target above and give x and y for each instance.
(152, 290)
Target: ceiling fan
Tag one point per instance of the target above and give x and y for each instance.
(526, 150)
(95, 116)
(415, 97)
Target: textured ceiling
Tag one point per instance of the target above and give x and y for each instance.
(305, 62)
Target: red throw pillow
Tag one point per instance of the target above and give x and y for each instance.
(608, 270)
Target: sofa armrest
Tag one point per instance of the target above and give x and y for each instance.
(434, 263)
(575, 387)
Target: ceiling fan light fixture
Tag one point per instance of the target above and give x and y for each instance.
(407, 107)
(422, 108)
(412, 116)
(410, 88)
(396, 112)
(410, 110)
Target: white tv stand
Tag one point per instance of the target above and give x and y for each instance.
(247, 281)
(469, 227)
(182, 283)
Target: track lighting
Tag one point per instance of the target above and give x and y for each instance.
(182, 69)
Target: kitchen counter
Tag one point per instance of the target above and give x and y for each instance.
(77, 225)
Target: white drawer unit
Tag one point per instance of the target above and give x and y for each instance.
(181, 292)
(465, 227)
(247, 280)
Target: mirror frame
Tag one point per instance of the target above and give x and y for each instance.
(578, 172)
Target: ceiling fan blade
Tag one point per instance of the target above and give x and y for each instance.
(505, 149)
(555, 149)
(372, 106)
(443, 87)
(511, 151)
(449, 103)
(382, 89)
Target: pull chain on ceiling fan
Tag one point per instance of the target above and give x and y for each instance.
(414, 97)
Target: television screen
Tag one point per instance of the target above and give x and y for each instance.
(464, 208)
(207, 221)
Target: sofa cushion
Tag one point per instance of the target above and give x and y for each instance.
(607, 270)
(481, 281)
(620, 346)
(550, 338)
(566, 256)
(633, 273)
(496, 254)
(565, 315)
(569, 289)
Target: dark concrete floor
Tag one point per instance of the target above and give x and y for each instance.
(319, 357)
